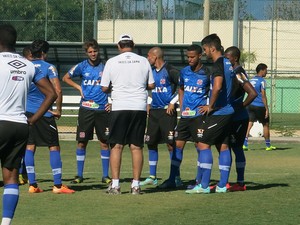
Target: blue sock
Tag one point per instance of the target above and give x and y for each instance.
(224, 167)
(206, 162)
(56, 165)
(153, 159)
(105, 154)
(29, 162)
(80, 157)
(198, 177)
(10, 200)
(240, 163)
(268, 143)
(246, 142)
(175, 163)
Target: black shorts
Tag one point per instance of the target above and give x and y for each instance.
(257, 114)
(13, 141)
(160, 127)
(238, 130)
(127, 127)
(44, 132)
(88, 120)
(216, 130)
(189, 129)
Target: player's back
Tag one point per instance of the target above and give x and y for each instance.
(16, 75)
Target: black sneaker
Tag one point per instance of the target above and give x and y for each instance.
(167, 184)
(77, 180)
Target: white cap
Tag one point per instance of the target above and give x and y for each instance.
(125, 37)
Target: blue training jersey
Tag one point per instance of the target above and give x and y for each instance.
(259, 84)
(238, 94)
(166, 82)
(196, 87)
(94, 97)
(35, 97)
(222, 67)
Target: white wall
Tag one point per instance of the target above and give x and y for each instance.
(286, 37)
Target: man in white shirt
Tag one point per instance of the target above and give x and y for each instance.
(16, 74)
(129, 76)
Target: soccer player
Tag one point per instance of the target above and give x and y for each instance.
(258, 110)
(193, 93)
(162, 115)
(94, 109)
(240, 117)
(129, 76)
(44, 132)
(218, 116)
(16, 73)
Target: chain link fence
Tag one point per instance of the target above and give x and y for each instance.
(269, 32)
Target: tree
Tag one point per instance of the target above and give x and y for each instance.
(284, 10)
(223, 9)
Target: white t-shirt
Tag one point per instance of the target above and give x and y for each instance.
(16, 75)
(129, 75)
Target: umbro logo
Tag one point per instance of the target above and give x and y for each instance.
(17, 64)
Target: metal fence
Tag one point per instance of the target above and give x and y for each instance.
(269, 32)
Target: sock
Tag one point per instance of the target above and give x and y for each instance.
(268, 143)
(135, 183)
(224, 167)
(105, 154)
(240, 163)
(206, 162)
(246, 142)
(9, 202)
(153, 159)
(29, 162)
(175, 163)
(22, 168)
(56, 165)
(198, 177)
(80, 157)
(115, 183)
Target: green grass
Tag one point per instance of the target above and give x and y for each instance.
(273, 184)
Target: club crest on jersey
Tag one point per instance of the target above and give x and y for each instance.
(17, 64)
(199, 82)
(162, 81)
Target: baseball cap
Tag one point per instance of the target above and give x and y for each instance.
(125, 37)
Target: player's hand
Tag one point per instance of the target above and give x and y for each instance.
(55, 113)
(267, 114)
(204, 109)
(108, 107)
(171, 109)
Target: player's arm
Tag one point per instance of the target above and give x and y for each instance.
(47, 89)
(180, 95)
(265, 101)
(68, 80)
(251, 93)
(56, 85)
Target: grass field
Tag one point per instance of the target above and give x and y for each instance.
(272, 196)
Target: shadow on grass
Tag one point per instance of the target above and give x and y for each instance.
(264, 149)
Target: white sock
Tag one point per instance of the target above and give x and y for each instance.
(115, 183)
(135, 183)
(6, 221)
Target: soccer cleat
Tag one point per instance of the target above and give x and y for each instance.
(214, 187)
(149, 181)
(63, 190)
(167, 184)
(198, 190)
(245, 148)
(178, 182)
(23, 179)
(136, 190)
(113, 191)
(270, 148)
(106, 180)
(221, 190)
(237, 187)
(78, 180)
(191, 186)
(33, 189)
